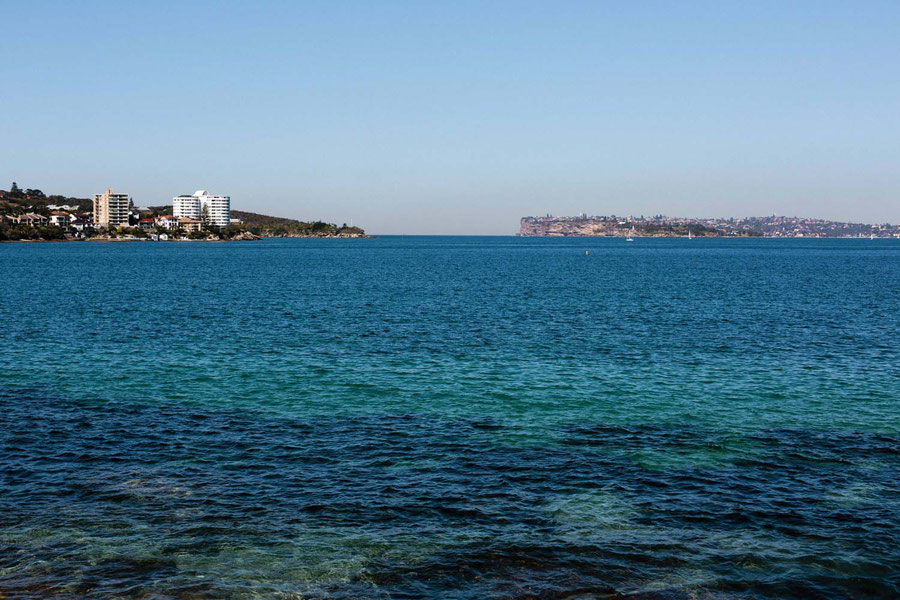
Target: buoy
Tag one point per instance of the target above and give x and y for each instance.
(585, 252)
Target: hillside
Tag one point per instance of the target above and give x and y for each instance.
(18, 200)
(250, 218)
(269, 226)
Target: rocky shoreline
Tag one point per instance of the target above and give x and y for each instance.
(323, 236)
(245, 236)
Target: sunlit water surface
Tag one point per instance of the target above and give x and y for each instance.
(450, 418)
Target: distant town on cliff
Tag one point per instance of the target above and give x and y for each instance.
(662, 226)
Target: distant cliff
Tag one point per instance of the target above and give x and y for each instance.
(611, 227)
(661, 226)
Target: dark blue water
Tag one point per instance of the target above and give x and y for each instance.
(450, 418)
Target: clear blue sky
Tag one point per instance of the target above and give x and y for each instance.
(460, 117)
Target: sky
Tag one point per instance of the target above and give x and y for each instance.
(459, 117)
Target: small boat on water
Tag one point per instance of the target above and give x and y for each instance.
(629, 238)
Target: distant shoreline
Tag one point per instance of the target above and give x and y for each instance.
(661, 226)
(706, 237)
(31, 215)
(442, 235)
(148, 240)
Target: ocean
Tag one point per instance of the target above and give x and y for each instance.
(450, 417)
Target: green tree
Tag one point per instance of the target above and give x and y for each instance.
(51, 232)
(204, 216)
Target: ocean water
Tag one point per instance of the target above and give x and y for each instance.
(450, 417)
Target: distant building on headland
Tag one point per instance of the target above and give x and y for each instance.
(211, 210)
(111, 210)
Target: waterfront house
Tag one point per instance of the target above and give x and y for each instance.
(60, 219)
(31, 219)
(146, 224)
(190, 224)
(80, 224)
(167, 222)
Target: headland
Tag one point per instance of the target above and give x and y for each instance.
(663, 226)
(31, 215)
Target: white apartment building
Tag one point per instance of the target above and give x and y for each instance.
(186, 207)
(212, 210)
(111, 210)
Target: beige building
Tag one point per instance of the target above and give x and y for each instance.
(190, 224)
(31, 219)
(111, 210)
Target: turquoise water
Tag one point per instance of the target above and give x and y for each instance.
(450, 417)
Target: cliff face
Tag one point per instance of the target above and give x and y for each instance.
(585, 226)
(662, 226)
(571, 226)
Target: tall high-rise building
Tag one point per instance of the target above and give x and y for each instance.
(212, 210)
(111, 210)
(186, 207)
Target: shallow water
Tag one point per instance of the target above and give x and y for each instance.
(450, 417)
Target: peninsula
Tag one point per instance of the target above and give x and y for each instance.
(662, 226)
(31, 215)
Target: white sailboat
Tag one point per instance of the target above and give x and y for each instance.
(629, 238)
(690, 235)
